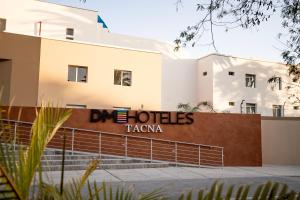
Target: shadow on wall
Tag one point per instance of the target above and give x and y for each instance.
(233, 88)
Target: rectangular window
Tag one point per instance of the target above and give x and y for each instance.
(2, 24)
(250, 80)
(250, 108)
(231, 73)
(70, 34)
(296, 107)
(231, 103)
(278, 84)
(122, 77)
(76, 106)
(121, 108)
(77, 73)
(277, 110)
(204, 73)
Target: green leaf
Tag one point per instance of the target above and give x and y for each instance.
(229, 192)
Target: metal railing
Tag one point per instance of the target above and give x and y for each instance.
(102, 143)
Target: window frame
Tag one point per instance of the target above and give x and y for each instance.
(248, 76)
(3, 22)
(122, 79)
(204, 73)
(231, 103)
(231, 73)
(278, 80)
(70, 36)
(76, 73)
(275, 109)
(251, 105)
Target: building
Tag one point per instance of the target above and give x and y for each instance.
(61, 54)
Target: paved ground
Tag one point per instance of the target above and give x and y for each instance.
(176, 180)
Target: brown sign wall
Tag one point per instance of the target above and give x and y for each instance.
(240, 135)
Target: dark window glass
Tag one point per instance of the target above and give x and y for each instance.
(277, 110)
(2, 24)
(82, 74)
(204, 73)
(117, 77)
(231, 73)
(77, 73)
(71, 73)
(250, 80)
(250, 108)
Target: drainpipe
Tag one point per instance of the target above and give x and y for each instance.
(241, 106)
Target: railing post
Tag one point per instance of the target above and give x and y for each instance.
(73, 137)
(151, 150)
(222, 157)
(126, 146)
(176, 153)
(15, 135)
(199, 155)
(100, 137)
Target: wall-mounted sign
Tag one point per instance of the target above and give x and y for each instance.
(144, 121)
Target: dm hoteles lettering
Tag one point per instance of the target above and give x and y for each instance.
(156, 117)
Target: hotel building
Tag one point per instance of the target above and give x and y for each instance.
(61, 54)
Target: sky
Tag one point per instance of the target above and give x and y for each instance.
(160, 20)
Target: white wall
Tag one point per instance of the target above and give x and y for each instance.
(232, 88)
(179, 80)
(22, 17)
(205, 83)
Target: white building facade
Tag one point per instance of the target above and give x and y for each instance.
(228, 83)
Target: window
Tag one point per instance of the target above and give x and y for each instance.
(76, 106)
(250, 108)
(231, 103)
(70, 34)
(296, 107)
(277, 110)
(77, 73)
(231, 73)
(278, 83)
(122, 77)
(2, 24)
(204, 73)
(250, 80)
(121, 108)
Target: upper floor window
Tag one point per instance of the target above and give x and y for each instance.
(2, 24)
(296, 107)
(77, 73)
(70, 34)
(250, 108)
(277, 110)
(231, 73)
(231, 103)
(122, 77)
(278, 84)
(204, 73)
(250, 80)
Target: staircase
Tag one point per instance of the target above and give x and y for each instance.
(52, 161)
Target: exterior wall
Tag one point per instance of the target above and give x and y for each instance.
(22, 17)
(5, 77)
(232, 88)
(240, 135)
(99, 91)
(280, 141)
(178, 76)
(205, 83)
(24, 54)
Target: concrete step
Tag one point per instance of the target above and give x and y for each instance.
(106, 166)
